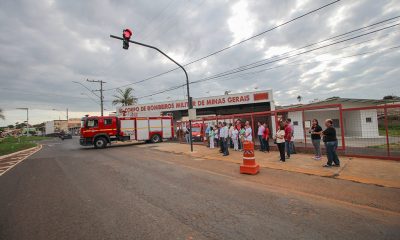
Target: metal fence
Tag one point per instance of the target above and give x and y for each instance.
(376, 133)
(362, 132)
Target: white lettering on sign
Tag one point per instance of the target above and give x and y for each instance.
(225, 100)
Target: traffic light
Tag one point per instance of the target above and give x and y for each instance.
(126, 35)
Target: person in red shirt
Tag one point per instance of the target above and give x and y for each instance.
(266, 137)
(288, 137)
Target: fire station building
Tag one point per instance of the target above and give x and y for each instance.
(248, 102)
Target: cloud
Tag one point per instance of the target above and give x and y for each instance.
(46, 45)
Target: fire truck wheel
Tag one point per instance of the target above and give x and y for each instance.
(155, 138)
(100, 142)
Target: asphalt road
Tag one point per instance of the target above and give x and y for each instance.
(68, 192)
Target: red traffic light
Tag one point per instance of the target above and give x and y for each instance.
(127, 33)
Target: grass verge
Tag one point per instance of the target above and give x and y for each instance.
(12, 144)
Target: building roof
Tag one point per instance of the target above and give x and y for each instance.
(339, 100)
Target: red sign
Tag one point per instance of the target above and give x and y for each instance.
(217, 101)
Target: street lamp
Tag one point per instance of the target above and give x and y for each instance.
(27, 120)
(126, 35)
(66, 115)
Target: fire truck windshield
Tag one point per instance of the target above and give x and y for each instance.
(83, 120)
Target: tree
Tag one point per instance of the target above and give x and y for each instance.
(124, 97)
(390, 97)
(1, 114)
(299, 98)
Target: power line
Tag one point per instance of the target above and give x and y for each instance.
(248, 66)
(159, 14)
(271, 68)
(233, 45)
(20, 91)
(340, 36)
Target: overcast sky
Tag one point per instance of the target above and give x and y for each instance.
(47, 44)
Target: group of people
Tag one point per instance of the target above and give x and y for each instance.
(227, 136)
(284, 140)
(330, 140)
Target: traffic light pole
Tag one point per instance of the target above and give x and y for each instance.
(187, 82)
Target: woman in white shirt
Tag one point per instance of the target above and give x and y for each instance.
(235, 139)
(216, 137)
(211, 136)
(248, 132)
(280, 141)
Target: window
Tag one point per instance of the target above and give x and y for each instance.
(368, 120)
(107, 121)
(295, 123)
(92, 123)
(336, 123)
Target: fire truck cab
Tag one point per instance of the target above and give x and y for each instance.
(100, 131)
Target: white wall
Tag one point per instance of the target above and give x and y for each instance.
(49, 126)
(352, 123)
(298, 130)
(321, 116)
(369, 129)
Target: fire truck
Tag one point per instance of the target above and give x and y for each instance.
(101, 131)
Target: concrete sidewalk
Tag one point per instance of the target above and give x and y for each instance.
(371, 171)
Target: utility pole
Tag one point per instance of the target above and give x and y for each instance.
(67, 114)
(101, 92)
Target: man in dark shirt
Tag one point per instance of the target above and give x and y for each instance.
(331, 143)
(315, 132)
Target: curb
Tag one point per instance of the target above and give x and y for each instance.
(22, 151)
(336, 174)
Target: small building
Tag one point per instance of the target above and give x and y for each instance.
(359, 122)
(74, 125)
(56, 126)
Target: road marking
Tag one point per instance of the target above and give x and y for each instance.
(21, 158)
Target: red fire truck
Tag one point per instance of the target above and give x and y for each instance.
(100, 131)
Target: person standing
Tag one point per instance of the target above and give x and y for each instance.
(220, 140)
(248, 132)
(231, 127)
(242, 133)
(315, 132)
(187, 134)
(331, 144)
(224, 136)
(211, 137)
(216, 137)
(281, 142)
(235, 139)
(291, 143)
(266, 137)
(260, 134)
(207, 132)
(288, 137)
(238, 125)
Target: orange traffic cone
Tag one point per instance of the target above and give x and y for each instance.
(249, 165)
